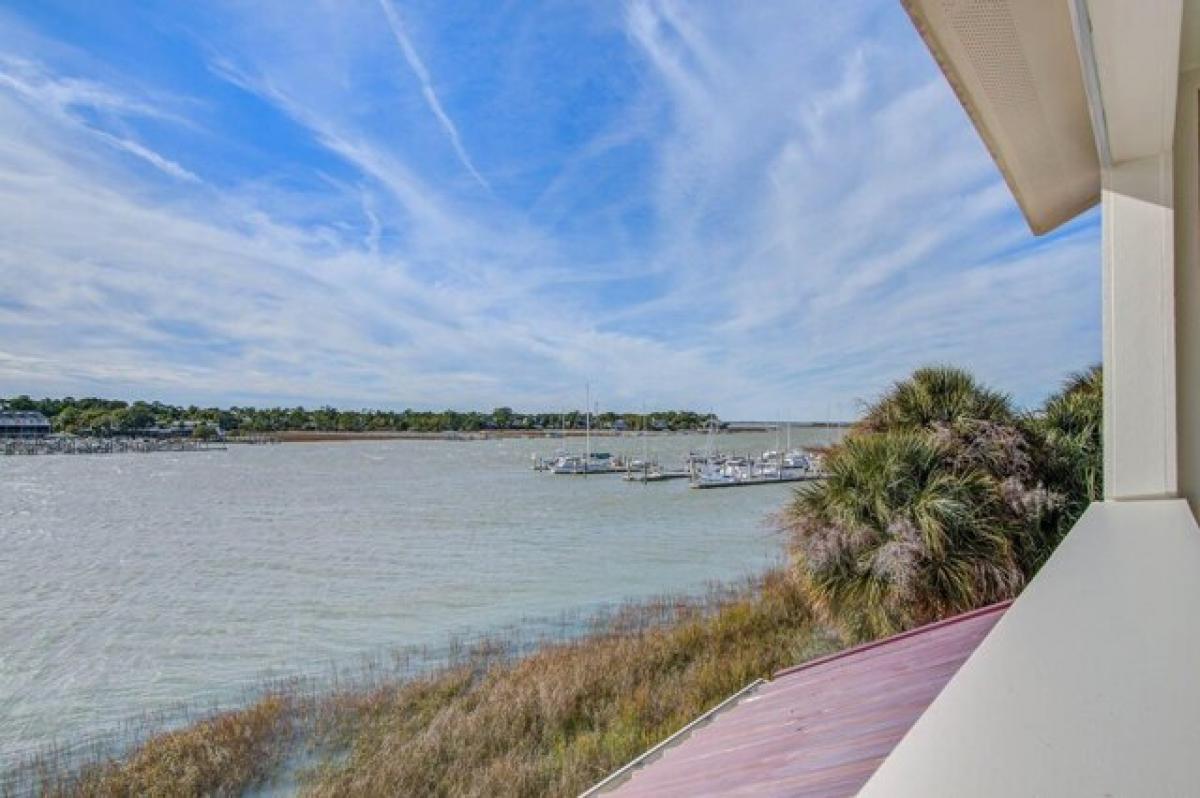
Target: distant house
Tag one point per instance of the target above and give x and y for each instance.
(23, 424)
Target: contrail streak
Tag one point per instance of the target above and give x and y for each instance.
(435, 105)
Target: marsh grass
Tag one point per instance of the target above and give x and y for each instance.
(558, 720)
(218, 756)
(510, 714)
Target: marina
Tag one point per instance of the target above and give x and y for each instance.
(707, 469)
(712, 470)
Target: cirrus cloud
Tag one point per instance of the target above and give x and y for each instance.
(764, 210)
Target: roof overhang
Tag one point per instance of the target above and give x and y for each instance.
(1016, 69)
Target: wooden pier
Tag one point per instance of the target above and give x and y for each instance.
(655, 476)
(748, 481)
(114, 445)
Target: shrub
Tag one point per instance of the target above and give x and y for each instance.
(899, 535)
(943, 499)
(936, 395)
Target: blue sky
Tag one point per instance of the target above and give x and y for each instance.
(765, 209)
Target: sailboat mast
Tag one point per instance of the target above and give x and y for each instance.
(645, 430)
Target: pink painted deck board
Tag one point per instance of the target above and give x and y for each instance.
(821, 729)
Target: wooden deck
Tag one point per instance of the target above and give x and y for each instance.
(820, 729)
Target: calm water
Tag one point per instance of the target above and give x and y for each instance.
(130, 583)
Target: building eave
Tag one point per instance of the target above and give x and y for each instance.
(1026, 98)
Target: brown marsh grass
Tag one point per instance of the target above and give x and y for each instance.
(496, 721)
(560, 719)
(218, 756)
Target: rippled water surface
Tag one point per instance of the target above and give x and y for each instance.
(133, 582)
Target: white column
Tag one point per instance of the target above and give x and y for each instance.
(1139, 329)
(1131, 52)
(1187, 285)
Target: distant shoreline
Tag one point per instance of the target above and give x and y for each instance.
(310, 436)
(315, 436)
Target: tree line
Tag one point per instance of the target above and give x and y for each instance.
(112, 416)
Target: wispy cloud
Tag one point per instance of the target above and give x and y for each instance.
(165, 165)
(431, 97)
(762, 209)
(67, 98)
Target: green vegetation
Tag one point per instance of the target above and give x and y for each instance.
(105, 416)
(943, 499)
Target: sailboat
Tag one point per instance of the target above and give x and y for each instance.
(590, 462)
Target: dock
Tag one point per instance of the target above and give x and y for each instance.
(655, 476)
(748, 481)
(55, 445)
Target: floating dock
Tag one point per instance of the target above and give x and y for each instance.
(655, 476)
(54, 445)
(742, 483)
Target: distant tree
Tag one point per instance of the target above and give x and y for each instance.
(502, 417)
(137, 416)
(67, 419)
(203, 432)
(104, 416)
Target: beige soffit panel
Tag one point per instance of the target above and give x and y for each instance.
(1015, 68)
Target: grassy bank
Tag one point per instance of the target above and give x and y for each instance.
(218, 756)
(495, 724)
